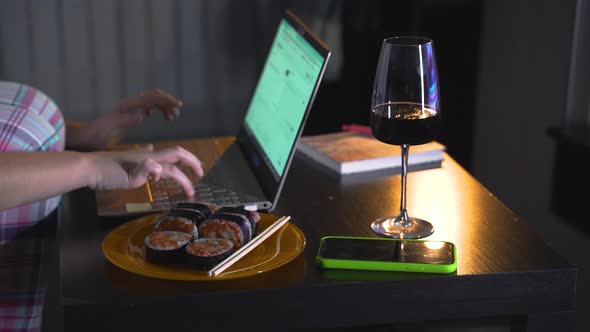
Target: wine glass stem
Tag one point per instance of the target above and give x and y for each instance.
(402, 217)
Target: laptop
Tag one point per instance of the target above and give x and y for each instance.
(247, 170)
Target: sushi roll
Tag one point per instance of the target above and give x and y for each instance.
(205, 253)
(203, 208)
(193, 215)
(166, 247)
(240, 220)
(227, 226)
(252, 216)
(177, 223)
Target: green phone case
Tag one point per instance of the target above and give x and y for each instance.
(331, 263)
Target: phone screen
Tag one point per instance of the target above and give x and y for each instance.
(425, 252)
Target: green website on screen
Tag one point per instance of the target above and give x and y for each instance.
(282, 94)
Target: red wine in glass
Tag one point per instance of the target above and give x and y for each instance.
(401, 123)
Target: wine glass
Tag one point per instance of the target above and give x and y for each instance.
(405, 111)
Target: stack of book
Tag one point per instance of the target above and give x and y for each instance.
(351, 152)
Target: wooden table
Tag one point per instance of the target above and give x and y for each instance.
(505, 271)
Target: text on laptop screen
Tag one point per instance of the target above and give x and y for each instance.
(282, 94)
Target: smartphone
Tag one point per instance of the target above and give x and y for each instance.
(380, 254)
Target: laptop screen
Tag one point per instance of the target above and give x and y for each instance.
(281, 102)
(282, 95)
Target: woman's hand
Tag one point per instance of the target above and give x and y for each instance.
(108, 129)
(132, 168)
(32, 176)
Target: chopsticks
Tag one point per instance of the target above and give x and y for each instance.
(248, 246)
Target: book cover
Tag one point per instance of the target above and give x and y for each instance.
(351, 152)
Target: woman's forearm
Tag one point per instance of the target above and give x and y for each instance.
(27, 177)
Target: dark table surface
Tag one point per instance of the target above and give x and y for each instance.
(504, 269)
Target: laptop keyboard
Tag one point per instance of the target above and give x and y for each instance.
(218, 196)
(167, 192)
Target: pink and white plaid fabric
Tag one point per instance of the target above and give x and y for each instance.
(23, 284)
(29, 121)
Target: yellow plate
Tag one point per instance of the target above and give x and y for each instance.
(124, 247)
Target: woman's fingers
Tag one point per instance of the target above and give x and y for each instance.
(147, 169)
(165, 102)
(159, 97)
(159, 164)
(172, 172)
(149, 100)
(178, 154)
(150, 169)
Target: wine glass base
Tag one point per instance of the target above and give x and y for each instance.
(388, 227)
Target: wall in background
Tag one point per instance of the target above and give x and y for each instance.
(524, 65)
(578, 98)
(89, 54)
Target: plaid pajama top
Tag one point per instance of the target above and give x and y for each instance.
(29, 121)
(23, 266)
